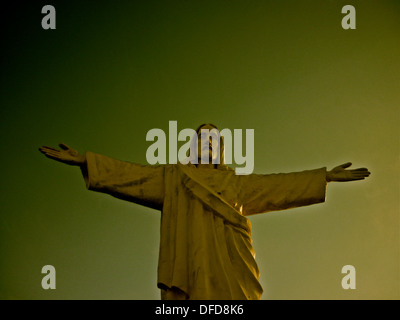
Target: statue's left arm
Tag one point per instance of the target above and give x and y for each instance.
(270, 192)
(261, 193)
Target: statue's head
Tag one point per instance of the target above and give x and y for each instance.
(208, 144)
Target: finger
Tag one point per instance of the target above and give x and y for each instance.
(345, 165)
(358, 172)
(48, 148)
(362, 172)
(360, 175)
(45, 151)
(361, 169)
(52, 154)
(63, 146)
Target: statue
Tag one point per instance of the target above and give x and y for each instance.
(205, 243)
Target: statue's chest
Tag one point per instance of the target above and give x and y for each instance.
(221, 184)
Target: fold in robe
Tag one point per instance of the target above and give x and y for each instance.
(205, 243)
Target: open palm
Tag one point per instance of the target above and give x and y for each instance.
(340, 173)
(66, 155)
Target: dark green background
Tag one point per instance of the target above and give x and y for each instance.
(315, 94)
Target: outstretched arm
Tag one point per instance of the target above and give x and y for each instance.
(124, 180)
(259, 193)
(66, 155)
(340, 173)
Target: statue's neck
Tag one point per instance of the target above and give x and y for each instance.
(206, 166)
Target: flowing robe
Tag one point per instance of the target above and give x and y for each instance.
(205, 243)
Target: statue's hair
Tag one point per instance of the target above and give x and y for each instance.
(193, 145)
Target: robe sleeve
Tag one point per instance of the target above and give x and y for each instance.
(262, 193)
(124, 180)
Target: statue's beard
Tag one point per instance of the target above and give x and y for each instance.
(208, 155)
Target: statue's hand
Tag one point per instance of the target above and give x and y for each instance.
(66, 155)
(340, 174)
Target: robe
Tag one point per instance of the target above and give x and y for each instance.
(205, 242)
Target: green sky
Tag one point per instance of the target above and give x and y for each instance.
(315, 94)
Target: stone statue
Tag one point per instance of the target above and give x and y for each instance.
(205, 243)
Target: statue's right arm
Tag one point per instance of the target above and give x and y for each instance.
(136, 183)
(66, 155)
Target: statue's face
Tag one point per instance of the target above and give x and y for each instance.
(211, 148)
